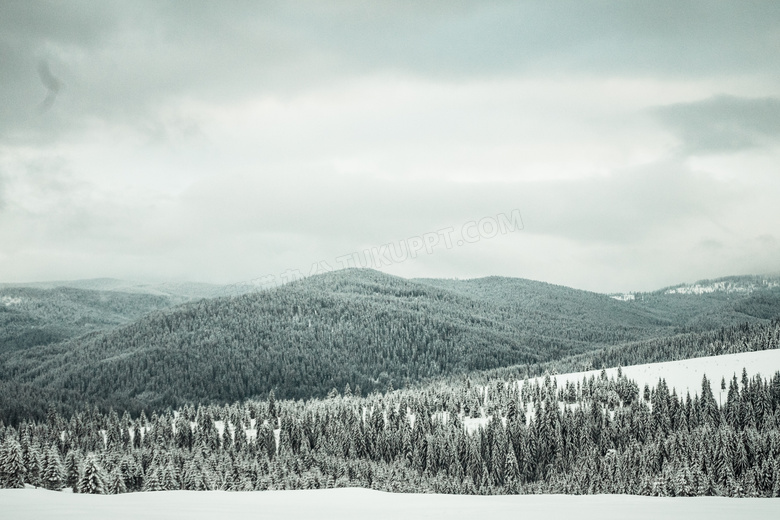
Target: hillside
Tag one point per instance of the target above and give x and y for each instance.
(602, 435)
(727, 340)
(710, 304)
(704, 305)
(39, 316)
(357, 327)
(41, 313)
(177, 292)
(685, 375)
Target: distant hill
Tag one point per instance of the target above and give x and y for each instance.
(357, 327)
(32, 316)
(709, 304)
(177, 292)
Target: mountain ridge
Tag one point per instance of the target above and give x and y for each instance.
(359, 327)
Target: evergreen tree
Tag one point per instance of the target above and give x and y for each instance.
(34, 464)
(153, 482)
(92, 478)
(53, 470)
(12, 465)
(116, 482)
(72, 464)
(271, 405)
(170, 477)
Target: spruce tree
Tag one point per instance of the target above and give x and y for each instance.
(93, 478)
(170, 477)
(53, 471)
(271, 406)
(116, 482)
(12, 465)
(153, 482)
(34, 463)
(72, 463)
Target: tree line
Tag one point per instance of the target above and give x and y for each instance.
(600, 435)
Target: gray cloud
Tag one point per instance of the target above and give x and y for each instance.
(122, 60)
(724, 123)
(137, 166)
(619, 209)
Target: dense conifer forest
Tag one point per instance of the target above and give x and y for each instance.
(145, 406)
(599, 436)
(32, 317)
(356, 327)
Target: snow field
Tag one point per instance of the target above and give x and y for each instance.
(686, 375)
(353, 503)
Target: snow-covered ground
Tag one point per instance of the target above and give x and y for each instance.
(9, 300)
(346, 504)
(726, 286)
(686, 375)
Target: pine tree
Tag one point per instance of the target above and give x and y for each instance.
(170, 477)
(512, 467)
(93, 478)
(116, 482)
(12, 465)
(152, 482)
(271, 406)
(72, 463)
(34, 463)
(192, 477)
(183, 435)
(53, 470)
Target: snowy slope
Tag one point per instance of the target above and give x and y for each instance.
(686, 375)
(350, 503)
(730, 286)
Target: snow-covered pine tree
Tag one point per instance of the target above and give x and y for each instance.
(34, 464)
(72, 463)
(12, 465)
(271, 406)
(152, 482)
(192, 477)
(93, 478)
(512, 468)
(116, 482)
(170, 477)
(53, 471)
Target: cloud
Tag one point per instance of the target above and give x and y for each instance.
(122, 61)
(724, 123)
(52, 84)
(224, 140)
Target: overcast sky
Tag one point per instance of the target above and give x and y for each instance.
(228, 141)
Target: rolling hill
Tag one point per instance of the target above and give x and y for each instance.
(32, 316)
(357, 327)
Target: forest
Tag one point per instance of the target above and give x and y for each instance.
(603, 435)
(362, 328)
(361, 379)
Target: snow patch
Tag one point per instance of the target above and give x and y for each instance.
(10, 300)
(686, 375)
(725, 286)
